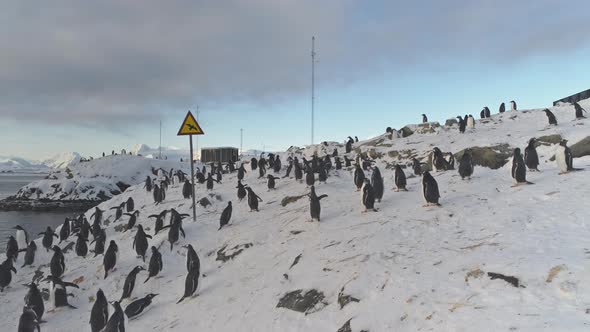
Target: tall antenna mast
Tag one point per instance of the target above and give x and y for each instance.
(241, 141)
(197, 135)
(312, 85)
(160, 140)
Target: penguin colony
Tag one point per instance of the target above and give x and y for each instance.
(110, 316)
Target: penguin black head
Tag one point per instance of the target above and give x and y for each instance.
(56, 249)
(154, 249)
(532, 141)
(563, 142)
(229, 203)
(18, 227)
(139, 228)
(426, 175)
(151, 296)
(517, 152)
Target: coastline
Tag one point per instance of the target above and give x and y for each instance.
(12, 204)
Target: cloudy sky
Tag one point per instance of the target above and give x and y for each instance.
(92, 76)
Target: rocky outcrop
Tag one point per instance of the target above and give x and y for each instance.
(493, 157)
(582, 148)
(303, 301)
(13, 204)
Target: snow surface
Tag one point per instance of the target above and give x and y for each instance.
(412, 268)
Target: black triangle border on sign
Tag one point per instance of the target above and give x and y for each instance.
(184, 121)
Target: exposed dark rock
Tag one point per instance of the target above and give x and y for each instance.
(345, 327)
(295, 261)
(308, 302)
(405, 131)
(582, 148)
(450, 122)
(14, 204)
(224, 255)
(549, 139)
(122, 186)
(344, 299)
(493, 157)
(509, 279)
(120, 228)
(204, 202)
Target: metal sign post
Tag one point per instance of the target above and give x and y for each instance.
(191, 127)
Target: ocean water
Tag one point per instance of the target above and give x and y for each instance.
(33, 222)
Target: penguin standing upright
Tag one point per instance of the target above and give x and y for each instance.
(377, 184)
(309, 176)
(518, 168)
(58, 295)
(130, 282)
(487, 112)
(347, 162)
(132, 220)
(550, 117)
(186, 189)
(97, 215)
(430, 189)
(28, 321)
(424, 118)
(12, 248)
(100, 240)
(564, 158)
(338, 163)
(323, 174)
(359, 177)
(400, 178)
(48, 238)
(99, 315)
(502, 108)
(226, 215)
(470, 122)
(117, 321)
(439, 162)
(531, 158)
(462, 125)
(64, 232)
(210, 181)
(130, 204)
(137, 307)
(579, 111)
(482, 114)
(148, 184)
(57, 266)
(6, 269)
(22, 237)
(155, 265)
(30, 254)
(175, 228)
(140, 242)
(368, 196)
(466, 165)
(315, 207)
(241, 190)
(512, 105)
(190, 284)
(34, 300)
(416, 167)
(271, 181)
(81, 246)
(110, 258)
(253, 200)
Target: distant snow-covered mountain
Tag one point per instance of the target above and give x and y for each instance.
(170, 152)
(20, 165)
(63, 160)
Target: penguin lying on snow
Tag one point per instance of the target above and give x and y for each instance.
(136, 307)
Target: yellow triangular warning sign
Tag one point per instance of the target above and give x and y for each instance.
(190, 126)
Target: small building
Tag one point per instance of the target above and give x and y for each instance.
(223, 154)
(574, 98)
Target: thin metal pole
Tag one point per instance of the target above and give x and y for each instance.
(241, 141)
(160, 140)
(193, 180)
(312, 85)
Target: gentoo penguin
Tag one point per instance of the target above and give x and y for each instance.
(579, 111)
(309, 176)
(64, 232)
(117, 321)
(242, 171)
(348, 147)
(466, 165)
(518, 168)
(130, 204)
(487, 112)
(48, 238)
(193, 263)
(30, 254)
(186, 189)
(315, 208)
(110, 258)
(462, 125)
(550, 117)
(424, 118)
(271, 181)
(132, 220)
(338, 163)
(157, 194)
(85, 228)
(81, 246)
(200, 177)
(119, 211)
(368, 196)
(323, 174)
(28, 321)
(130, 282)
(531, 158)
(100, 240)
(261, 168)
(190, 284)
(6, 270)
(377, 184)
(430, 189)
(155, 265)
(226, 215)
(241, 190)
(34, 300)
(159, 224)
(298, 170)
(58, 295)
(135, 308)
(400, 178)
(359, 177)
(416, 167)
(502, 108)
(97, 215)
(174, 231)
(253, 200)
(148, 184)
(99, 315)
(22, 237)
(470, 122)
(210, 181)
(289, 169)
(140, 242)
(12, 248)
(512, 105)
(347, 162)
(277, 165)
(57, 265)
(564, 158)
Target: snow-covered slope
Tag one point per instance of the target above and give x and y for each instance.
(98, 179)
(169, 153)
(63, 160)
(403, 268)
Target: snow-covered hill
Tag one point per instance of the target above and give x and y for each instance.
(20, 165)
(63, 160)
(169, 153)
(403, 268)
